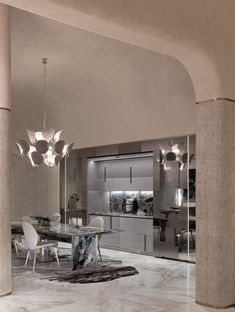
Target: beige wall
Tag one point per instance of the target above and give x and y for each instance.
(33, 191)
(71, 181)
(100, 91)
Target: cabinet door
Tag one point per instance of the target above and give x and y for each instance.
(141, 174)
(106, 222)
(128, 235)
(136, 235)
(128, 241)
(105, 238)
(143, 226)
(93, 176)
(117, 176)
(120, 175)
(114, 238)
(149, 243)
(111, 239)
(104, 173)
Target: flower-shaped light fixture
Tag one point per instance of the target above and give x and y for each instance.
(171, 153)
(45, 146)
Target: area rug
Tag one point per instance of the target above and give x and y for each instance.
(98, 274)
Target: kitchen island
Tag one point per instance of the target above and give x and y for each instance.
(135, 233)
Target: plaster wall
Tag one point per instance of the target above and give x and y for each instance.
(33, 191)
(198, 33)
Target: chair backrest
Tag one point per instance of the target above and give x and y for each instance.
(97, 222)
(22, 243)
(30, 235)
(55, 218)
(75, 221)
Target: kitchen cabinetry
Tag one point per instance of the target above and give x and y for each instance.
(126, 175)
(136, 234)
(133, 233)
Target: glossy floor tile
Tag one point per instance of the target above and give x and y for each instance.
(161, 286)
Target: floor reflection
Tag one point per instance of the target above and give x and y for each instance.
(162, 285)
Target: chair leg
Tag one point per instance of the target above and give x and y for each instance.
(99, 252)
(16, 248)
(181, 248)
(34, 260)
(98, 246)
(27, 258)
(193, 241)
(56, 255)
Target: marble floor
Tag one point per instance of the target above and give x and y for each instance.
(161, 286)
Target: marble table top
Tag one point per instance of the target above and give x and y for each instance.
(61, 232)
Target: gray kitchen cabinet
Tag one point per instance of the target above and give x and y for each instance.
(137, 234)
(133, 234)
(142, 174)
(115, 237)
(126, 175)
(106, 222)
(104, 171)
(117, 178)
(93, 176)
(149, 243)
(112, 239)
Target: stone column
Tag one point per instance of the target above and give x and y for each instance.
(215, 260)
(5, 235)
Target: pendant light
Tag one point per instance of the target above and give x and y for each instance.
(45, 145)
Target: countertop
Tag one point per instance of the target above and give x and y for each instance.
(125, 215)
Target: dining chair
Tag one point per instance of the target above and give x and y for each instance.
(33, 244)
(98, 222)
(176, 223)
(55, 218)
(19, 243)
(75, 221)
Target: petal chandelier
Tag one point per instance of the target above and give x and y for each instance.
(45, 145)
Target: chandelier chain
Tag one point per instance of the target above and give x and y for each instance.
(44, 61)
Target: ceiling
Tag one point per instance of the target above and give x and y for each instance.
(100, 90)
(198, 33)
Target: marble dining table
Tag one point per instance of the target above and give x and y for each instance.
(84, 239)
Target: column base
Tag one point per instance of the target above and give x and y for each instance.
(6, 294)
(214, 306)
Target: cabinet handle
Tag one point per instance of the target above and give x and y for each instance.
(145, 242)
(105, 177)
(130, 174)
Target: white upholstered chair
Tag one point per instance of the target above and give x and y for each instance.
(75, 221)
(33, 244)
(20, 244)
(55, 218)
(98, 222)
